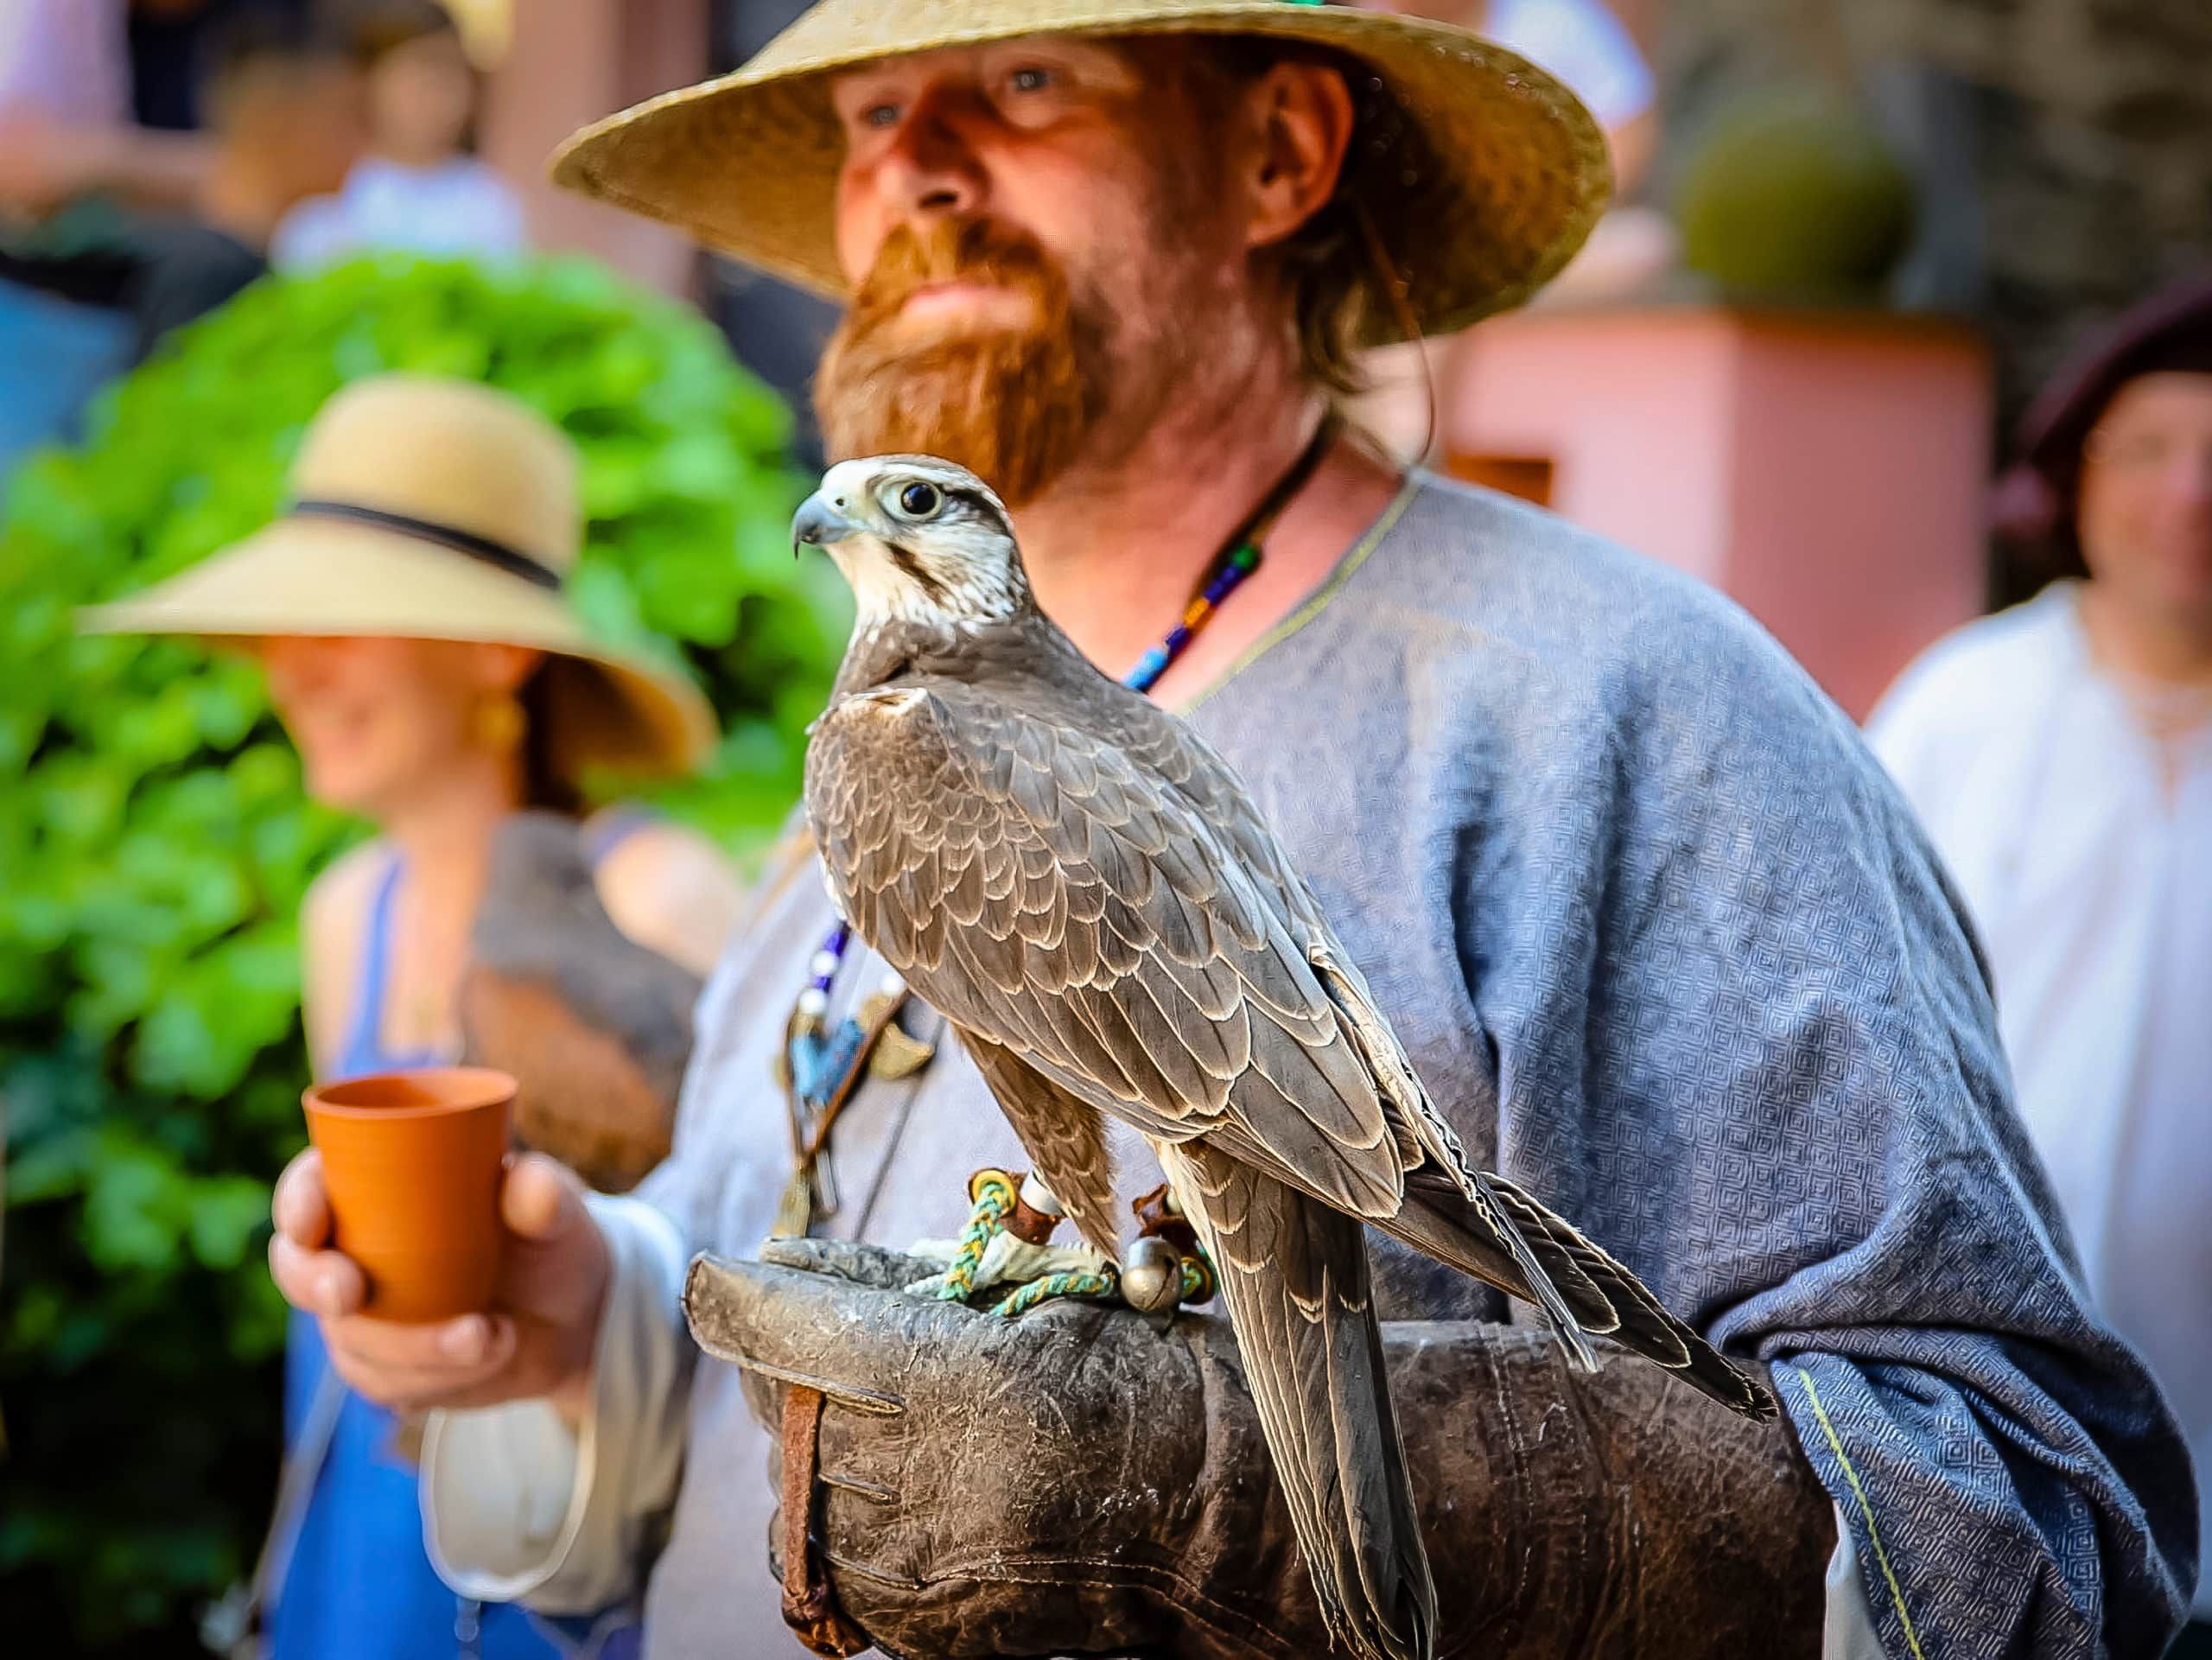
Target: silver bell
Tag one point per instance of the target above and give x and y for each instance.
(1152, 1275)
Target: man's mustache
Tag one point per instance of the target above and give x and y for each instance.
(975, 250)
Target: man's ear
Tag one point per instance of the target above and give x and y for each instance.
(1301, 115)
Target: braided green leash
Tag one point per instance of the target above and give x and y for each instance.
(1103, 1283)
(991, 1192)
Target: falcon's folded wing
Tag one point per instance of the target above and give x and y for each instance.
(1040, 890)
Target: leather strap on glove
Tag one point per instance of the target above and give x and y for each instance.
(1077, 1481)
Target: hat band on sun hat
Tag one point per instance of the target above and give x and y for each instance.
(491, 552)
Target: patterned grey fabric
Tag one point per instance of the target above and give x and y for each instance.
(1668, 952)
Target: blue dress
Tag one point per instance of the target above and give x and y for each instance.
(359, 1584)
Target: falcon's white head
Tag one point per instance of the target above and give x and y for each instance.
(919, 539)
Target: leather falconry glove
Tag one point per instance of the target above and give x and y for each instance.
(1079, 1481)
(593, 1027)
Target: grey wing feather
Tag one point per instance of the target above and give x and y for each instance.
(1642, 1322)
(1294, 1275)
(1484, 1223)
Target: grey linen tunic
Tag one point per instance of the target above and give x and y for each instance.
(1667, 948)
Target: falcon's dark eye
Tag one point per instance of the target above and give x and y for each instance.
(920, 500)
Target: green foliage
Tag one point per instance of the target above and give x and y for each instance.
(155, 845)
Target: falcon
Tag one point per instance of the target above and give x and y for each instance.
(1086, 892)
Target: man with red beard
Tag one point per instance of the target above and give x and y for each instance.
(1661, 940)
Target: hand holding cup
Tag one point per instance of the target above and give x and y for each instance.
(466, 1281)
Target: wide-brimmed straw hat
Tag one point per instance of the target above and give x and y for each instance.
(1506, 175)
(423, 508)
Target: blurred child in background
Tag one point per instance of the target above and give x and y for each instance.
(111, 235)
(419, 187)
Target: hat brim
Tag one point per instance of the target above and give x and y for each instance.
(613, 711)
(1517, 170)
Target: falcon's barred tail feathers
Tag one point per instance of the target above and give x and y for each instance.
(1640, 1321)
(1294, 1275)
(1090, 897)
(1483, 1224)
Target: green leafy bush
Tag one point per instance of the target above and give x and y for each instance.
(154, 844)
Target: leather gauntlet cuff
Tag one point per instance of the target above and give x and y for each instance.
(1077, 1482)
(1623, 1515)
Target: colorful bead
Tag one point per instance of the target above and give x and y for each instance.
(1149, 668)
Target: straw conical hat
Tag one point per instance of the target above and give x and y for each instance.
(1509, 174)
(423, 508)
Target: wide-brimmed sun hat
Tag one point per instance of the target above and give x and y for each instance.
(1508, 175)
(424, 508)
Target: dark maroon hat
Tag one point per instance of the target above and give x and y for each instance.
(2034, 499)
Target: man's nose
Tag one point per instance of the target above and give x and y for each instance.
(931, 168)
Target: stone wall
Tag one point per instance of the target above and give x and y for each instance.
(2063, 147)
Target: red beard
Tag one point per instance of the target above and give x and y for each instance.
(1014, 405)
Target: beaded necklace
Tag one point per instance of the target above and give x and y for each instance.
(819, 1068)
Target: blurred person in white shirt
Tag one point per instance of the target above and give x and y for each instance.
(419, 188)
(2060, 754)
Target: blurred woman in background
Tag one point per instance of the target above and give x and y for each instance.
(419, 188)
(2060, 754)
(407, 609)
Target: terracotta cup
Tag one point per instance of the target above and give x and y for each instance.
(411, 1161)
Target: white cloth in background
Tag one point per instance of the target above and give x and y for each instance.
(2091, 879)
(459, 207)
(1582, 43)
(67, 60)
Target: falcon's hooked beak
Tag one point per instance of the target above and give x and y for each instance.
(817, 523)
